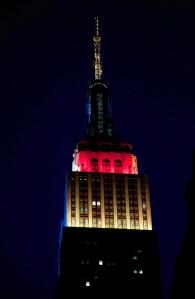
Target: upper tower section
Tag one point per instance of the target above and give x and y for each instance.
(99, 111)
(98, 106)
(102, 150)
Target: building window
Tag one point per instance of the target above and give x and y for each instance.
(94, 165)
(136, 224)
(73, 221)
(134, 257)
(132, 223)
(118, 166)
(144, 216)
(106, 165)
(145, 224)
(83, 210)
(87, 283)
(94, 203)
(84, 262)
(100, 263)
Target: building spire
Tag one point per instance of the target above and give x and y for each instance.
(97, 54)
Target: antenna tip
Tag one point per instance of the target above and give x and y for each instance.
(97, 25)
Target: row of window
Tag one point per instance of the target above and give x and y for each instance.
(120, 190)
(109, 202)
(108, 183)
(88, 283)
(108, 205)
(109, 222)
(106, 165)
(97, 192)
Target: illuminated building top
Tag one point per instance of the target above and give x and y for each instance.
(104, 188)
(102, 150)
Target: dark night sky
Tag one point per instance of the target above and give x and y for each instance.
(45, 66)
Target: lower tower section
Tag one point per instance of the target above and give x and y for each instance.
(109, 263)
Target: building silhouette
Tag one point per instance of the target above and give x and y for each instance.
(108, 246)
(184, 273)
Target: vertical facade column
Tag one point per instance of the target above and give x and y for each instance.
(69, 202)
(102, 200)
(89, 200)
(77, 199)
(139, 199)
(114, 201)
(127, 202)
(148, 207)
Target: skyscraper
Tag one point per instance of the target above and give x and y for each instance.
(108, 246)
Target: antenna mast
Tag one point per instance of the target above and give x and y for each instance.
(97, 55)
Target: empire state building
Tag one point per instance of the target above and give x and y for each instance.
(108, 247)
